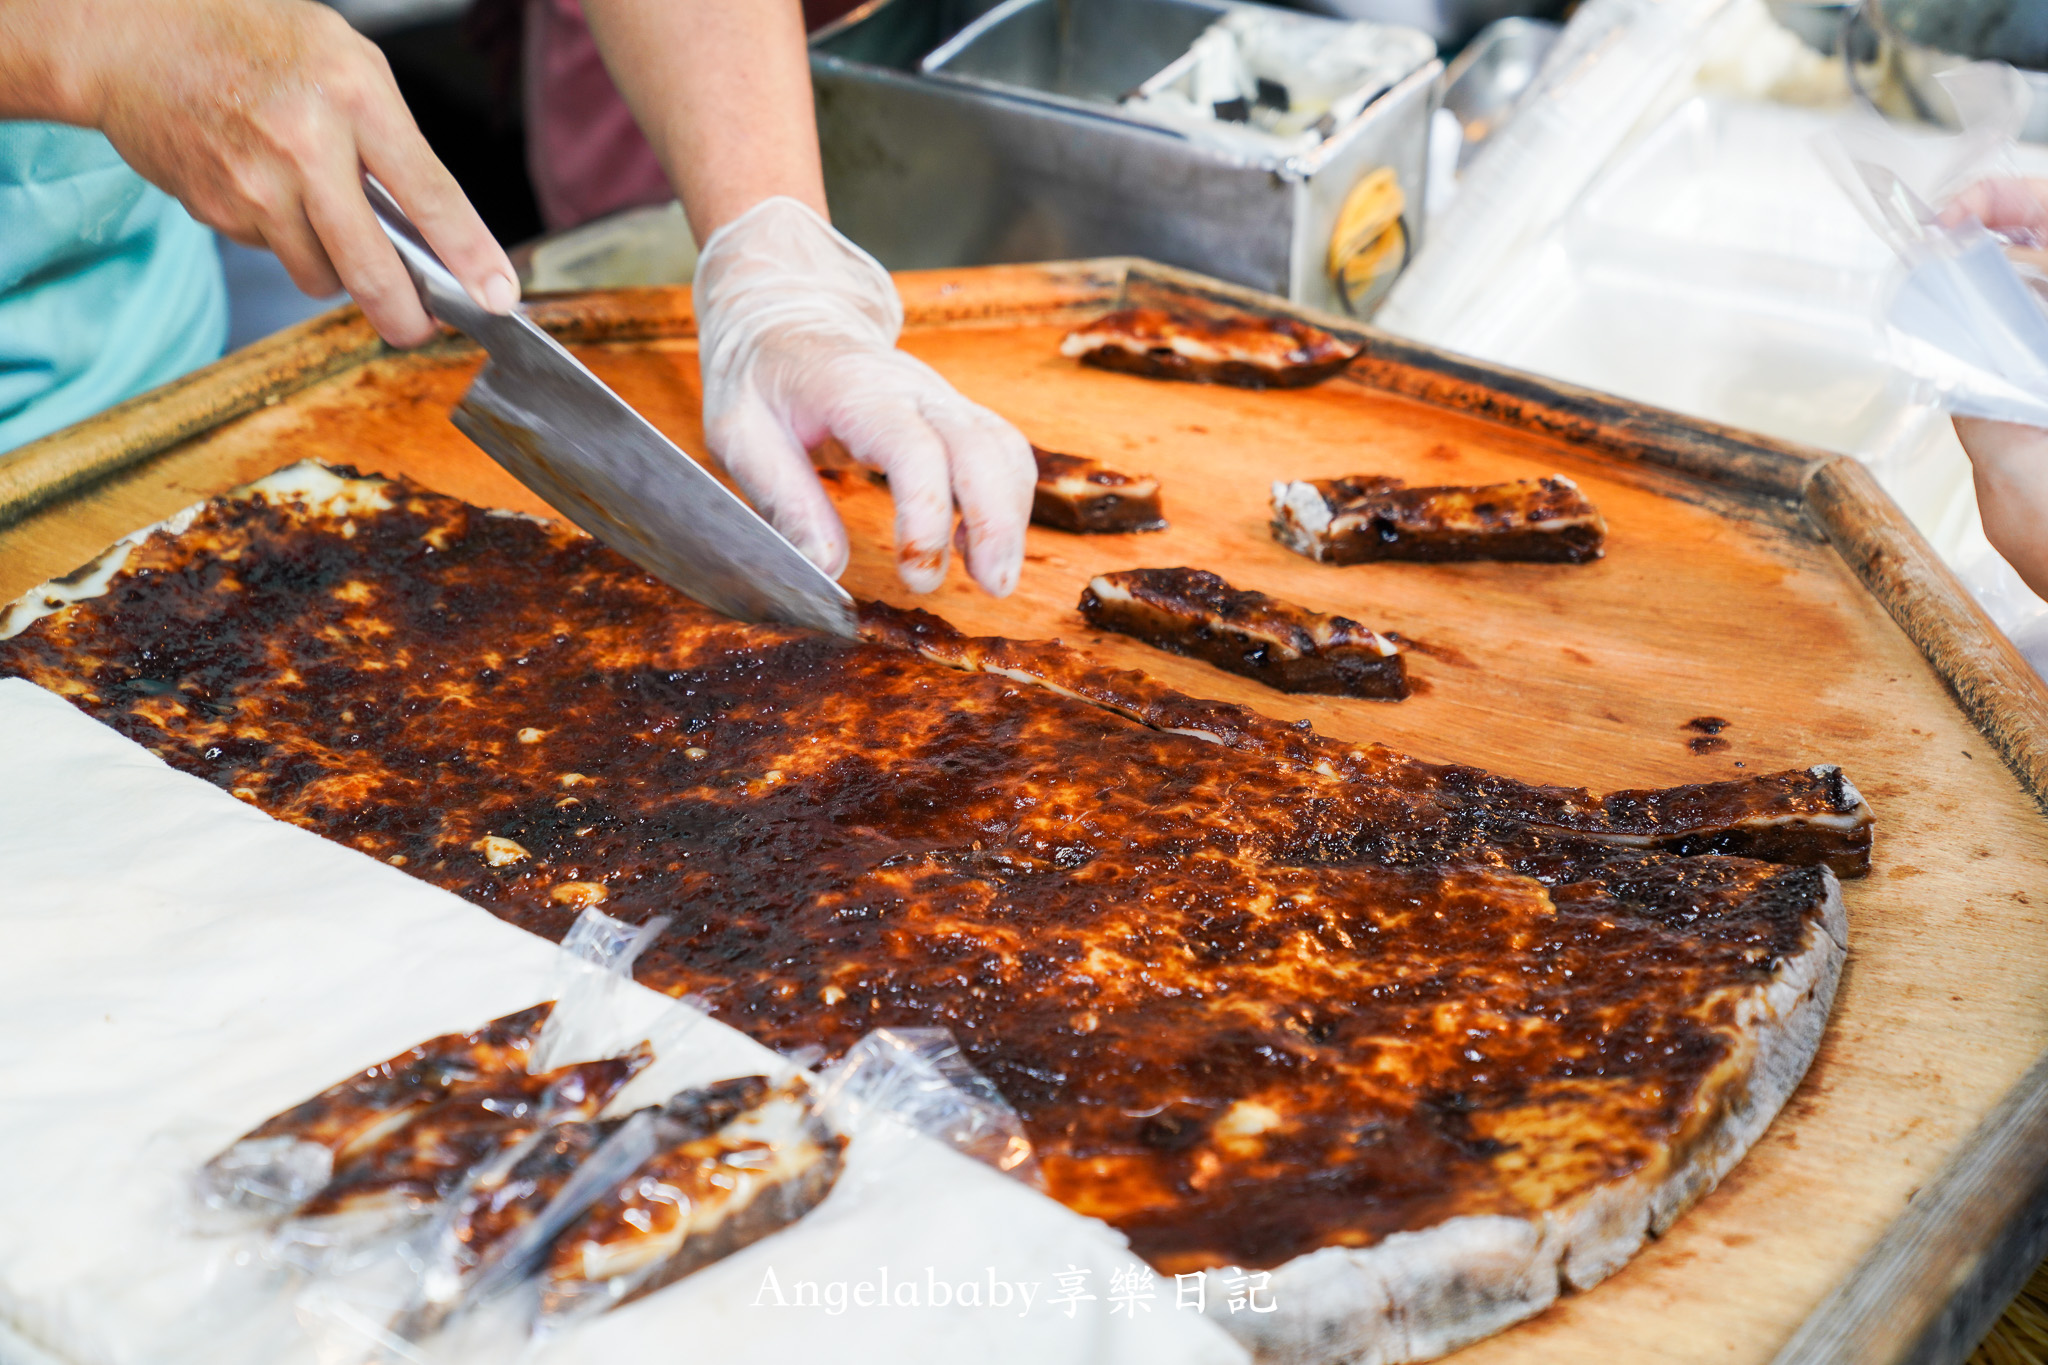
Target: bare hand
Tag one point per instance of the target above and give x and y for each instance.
(2015, 209)
(261, 117)
(2002, 205)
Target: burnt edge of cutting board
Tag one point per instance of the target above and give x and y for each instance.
(1936, 1279)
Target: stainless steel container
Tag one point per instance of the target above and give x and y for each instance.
(1483, 83)
(1920, 39)
(1010, 145)
(1817, 23)
(1450, 22)
(1083, 51)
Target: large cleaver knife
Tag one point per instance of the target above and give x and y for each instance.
(537, 411)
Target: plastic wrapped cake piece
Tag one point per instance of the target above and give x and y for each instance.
(702, 1196)
(287, 1159)
(389, 1184)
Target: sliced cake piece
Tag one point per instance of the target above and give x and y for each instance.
(503, 1223)
(426, 1158)
(1370, 516)
(283, 1161)
(1246, 351)
(1076, 493)
(1286, 647)
(700, 1198)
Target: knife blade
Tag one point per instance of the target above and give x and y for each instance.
(562, 432)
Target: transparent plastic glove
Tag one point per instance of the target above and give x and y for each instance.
(797, 330)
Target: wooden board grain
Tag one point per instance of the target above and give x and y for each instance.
(1725, 593)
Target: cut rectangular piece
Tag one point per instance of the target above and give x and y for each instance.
(286, 1159)
(428, 1155)
(1076, 493)
(703, 1196)
(1286, 647)
(505, 1219)
(1244, 351)
(1364, 517)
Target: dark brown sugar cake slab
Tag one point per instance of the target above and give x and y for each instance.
(1287, 647)
(1255, 992)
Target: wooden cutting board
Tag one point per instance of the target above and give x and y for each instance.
(1722, 596)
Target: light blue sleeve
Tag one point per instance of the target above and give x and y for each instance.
(108, 287)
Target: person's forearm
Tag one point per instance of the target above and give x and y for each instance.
(2010, 464)
(722, 88)
(39, 78)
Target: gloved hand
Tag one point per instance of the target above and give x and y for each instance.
(797, 333)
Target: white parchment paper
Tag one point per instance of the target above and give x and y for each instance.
(176, 966)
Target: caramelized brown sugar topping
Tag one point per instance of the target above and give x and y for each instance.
(1254, 992)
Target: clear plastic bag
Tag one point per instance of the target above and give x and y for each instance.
(732, 1163)
(591, 1043)
(918, 1078)
(547, 1214)
(709, 1192)
(1962, 319)
(600, 1012)
(1613, 64)
(496, 1234)
(360, 1183)
(275, 1168)
(398, 1182)
(593, 977)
